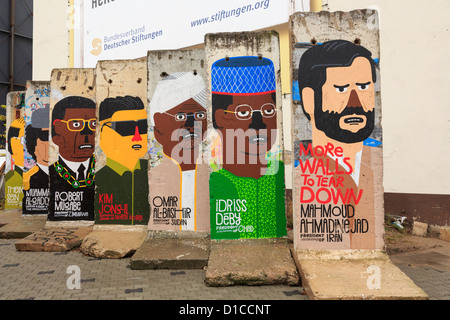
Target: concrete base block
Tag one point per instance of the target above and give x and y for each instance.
(420, 229)
(354, 275)
(445, 234)
(172, 252)
(251, 262)
(54, 239)
(434, 231)
(22, 227)
(113, 242)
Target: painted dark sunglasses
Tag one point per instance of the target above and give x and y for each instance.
(128, 128)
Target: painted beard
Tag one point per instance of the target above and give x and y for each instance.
(328, 122)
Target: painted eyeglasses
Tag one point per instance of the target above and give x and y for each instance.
(79, 124)
(181, 116)
(245, 112)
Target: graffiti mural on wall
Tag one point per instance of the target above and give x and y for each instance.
(333, 170)
(72, 175)
(122, 184)
(36, 180)
(14, 175)
(35, 177)
(248, 192)
(179, 119)
(37, 97)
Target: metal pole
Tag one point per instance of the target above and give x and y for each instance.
(12, 20)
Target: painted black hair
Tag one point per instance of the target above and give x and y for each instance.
(72, 102)
(109, 106)
(312, 71)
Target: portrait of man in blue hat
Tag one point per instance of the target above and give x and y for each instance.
(247, 193)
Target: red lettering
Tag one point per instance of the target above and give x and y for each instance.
(347, 198)
(325, 195)
(349, 165)
(307, 151)
(321, 191)
(308, 166)
(302, 195)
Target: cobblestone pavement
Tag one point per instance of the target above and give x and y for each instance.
(427, 262)
(44, 276)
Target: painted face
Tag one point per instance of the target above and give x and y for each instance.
(348, 102)
(75, 134)
(181, 128)
(42, 152)
(123, 138)
(253, 122)
(16, 143)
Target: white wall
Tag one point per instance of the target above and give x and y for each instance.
(50, 37)
(415, 89)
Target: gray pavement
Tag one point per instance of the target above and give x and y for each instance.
(47, 275)
(429, 268)
(44, 276)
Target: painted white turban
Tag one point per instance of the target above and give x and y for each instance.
(176, 89)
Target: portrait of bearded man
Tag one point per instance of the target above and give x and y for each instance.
(337, 92)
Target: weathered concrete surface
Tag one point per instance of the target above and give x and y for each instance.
(360, 27)
(51, 239)
(420, 229)
(67, 82)
(351, 275)
(445, 234)
(113, 242)
(165, 177)
(118, 78)
(22, 227)
(251, 262)
(172, 250)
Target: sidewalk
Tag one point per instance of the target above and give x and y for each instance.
(425, 260)
(45, 275)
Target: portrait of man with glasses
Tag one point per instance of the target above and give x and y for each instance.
(178, 182)
(248, 192)
(72, 176)
(123, 182)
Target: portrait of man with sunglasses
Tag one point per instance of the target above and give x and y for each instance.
(72, 176)
(123, 181)
(179, 198)
(35, 180)
(248, 192)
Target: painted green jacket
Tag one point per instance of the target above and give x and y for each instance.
(243, 207)
(117, 186)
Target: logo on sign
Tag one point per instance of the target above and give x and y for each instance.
(96, 47)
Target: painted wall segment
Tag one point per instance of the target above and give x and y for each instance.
(36, 149)
(121, 195)
(73, 124)
(338, 196)
(179, 174)
(15, 130)
(247, 186)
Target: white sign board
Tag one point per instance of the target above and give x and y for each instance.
(127, 29)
